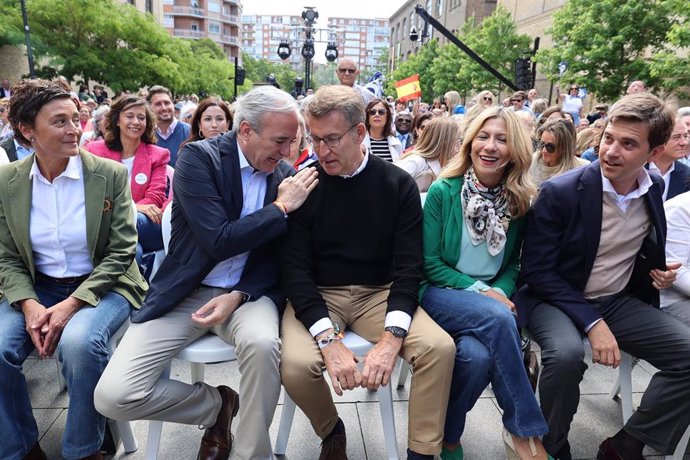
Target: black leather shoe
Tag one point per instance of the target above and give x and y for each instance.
(36, 453)
(216, 443)
(334, 446)
(607, 451)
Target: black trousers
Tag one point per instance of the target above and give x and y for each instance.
(640, 330)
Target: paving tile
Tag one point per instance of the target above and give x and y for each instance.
(42, 381)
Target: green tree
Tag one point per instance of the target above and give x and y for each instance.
(419, 63)
(259, 69)
(608, 43)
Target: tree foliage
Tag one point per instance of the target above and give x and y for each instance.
(259, 69)
(609, 43)
(112, 43)
(446, 68)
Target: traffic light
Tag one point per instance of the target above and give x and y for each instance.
(523, 74)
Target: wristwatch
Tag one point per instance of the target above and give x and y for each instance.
(398, 332)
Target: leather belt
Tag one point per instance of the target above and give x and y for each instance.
(69, 280)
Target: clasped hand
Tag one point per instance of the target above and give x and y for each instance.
(341, 364)
(45, 325)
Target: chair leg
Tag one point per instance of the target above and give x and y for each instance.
(625, 379)
(122, 431)
(197, 372)
(682, 446)
(285, 425)
(62, 384)
(385, 395)
(153, 440)
(404, 372)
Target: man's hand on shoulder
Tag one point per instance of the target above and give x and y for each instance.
(294, 190)
(605, 349)
(380, 361)
(218, 309)
(341, 365)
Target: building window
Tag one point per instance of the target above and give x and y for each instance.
(404, 26)
(168, 2)
(439, 7)
(195, 27)
(213, 7)
(213, 27)
(149, 6)
(168, 20)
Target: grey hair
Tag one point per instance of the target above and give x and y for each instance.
(252, 106)
(683, 112)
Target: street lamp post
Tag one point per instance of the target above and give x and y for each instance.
(310, 15)
(27, 37)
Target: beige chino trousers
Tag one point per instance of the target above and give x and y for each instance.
(362, 309)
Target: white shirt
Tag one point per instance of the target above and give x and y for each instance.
(169, 131)
(227, 273)
(58, 222)
(666, 177)
(643, 184)
(129, 163)
(3, 157)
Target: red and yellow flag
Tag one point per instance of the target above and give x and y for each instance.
(408, 88)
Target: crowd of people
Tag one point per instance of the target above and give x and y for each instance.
(435, 231)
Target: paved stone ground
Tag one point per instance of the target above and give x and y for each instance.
(598, 417)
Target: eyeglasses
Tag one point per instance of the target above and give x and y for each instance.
(516, 100)
(549, 147)
(332, 142)
(380, 112)
(574, 87)
(401, 120)
(488, 99)
(352, 71)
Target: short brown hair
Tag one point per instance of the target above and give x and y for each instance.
(28, 98)
(647, 108)
(340, 98)
(111, 131)
(157, 89)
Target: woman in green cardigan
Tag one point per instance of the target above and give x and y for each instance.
(473, 225)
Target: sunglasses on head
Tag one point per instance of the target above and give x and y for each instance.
(377, 112)
(548, 146)
(352, 71)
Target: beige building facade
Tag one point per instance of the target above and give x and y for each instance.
(452, 14)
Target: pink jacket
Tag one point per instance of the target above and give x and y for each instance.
(148, 181)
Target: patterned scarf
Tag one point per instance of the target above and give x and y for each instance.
(486, 212)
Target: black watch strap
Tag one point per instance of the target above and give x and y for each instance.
(398, 332)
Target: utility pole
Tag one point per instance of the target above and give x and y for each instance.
(27, 37)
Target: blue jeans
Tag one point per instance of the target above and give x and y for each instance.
(83, 354)
(150, 234)
(488, 351)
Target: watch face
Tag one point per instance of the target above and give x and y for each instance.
(397, 331)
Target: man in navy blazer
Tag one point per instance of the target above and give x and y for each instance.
(232, 198)
(675, 173)
(593, 263)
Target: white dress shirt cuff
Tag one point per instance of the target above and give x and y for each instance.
(398, 318)
(590, 326)
(320, 326)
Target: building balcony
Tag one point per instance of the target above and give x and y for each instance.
(230, 19)
(189, 33)
(228, 40)
(188, 11)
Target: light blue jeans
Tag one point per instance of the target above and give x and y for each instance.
(487, 351)
(83, 354)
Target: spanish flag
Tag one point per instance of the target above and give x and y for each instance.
(408, 88)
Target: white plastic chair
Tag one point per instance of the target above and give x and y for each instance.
(121, 431)
(359, 347)
(207, 349)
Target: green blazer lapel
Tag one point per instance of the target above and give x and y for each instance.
(20, 190)
(95, 199)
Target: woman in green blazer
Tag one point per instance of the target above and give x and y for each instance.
(473, 224)
(67, 244)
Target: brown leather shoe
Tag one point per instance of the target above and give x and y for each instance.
(607, 451)
(216, 443)
(334, 446)
(36, 453)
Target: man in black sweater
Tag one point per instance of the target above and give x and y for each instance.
(353, 259)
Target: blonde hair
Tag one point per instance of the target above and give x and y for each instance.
(588, 137)
(452, 99)
(437, 140)
(565, 134)
(518, 183)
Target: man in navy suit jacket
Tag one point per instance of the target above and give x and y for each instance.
(232, 196)
(675, 173)
(593, 262)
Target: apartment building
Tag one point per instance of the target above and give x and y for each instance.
(218, 20)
